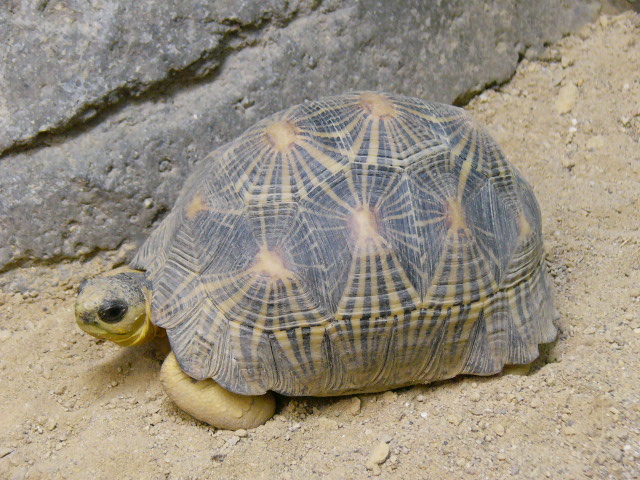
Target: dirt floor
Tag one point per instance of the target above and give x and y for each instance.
(75, 407)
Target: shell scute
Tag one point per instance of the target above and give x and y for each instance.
(355, 243)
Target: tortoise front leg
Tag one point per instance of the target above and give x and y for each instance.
(209, 402)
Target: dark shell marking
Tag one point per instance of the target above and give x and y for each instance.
(355, 243)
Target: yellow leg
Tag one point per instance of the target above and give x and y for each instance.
(209, 402)
(517, 369)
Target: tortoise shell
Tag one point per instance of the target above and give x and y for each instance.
(352, 244)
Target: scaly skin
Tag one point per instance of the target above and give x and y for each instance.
(205, 400)
(209, 402)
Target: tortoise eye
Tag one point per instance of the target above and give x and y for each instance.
(112, 312)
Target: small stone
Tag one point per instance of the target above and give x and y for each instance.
(327, 423)
(454, 419)
(570, 431)
(590, 330)
(375, 470)
(498, 429)
(233, 440)
(568, 162)
(474, 396)
(295, 427)
(60, 389)
(355, 404)
(420, 398)
(389, 397)
(4, 451)
(155, 419)
(596, 143)
(567, 97)
(535, 403)
(616, 454)
(424, 414)
(379, 454)
(241, 432)
(566, 61)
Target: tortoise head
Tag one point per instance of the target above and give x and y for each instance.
(116, 306)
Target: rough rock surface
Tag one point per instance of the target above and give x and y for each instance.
(105, 108)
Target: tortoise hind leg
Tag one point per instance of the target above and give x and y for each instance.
(209, 402)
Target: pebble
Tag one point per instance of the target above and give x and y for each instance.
(454, 419)
(295, 427)
(474, 397)
(596, 143)
(355, 404)
(568, 162)
(566, 61)
(590, 330)
(570, 431)
(389, 397)
(4, 451)
(155, 419)
(535, 403)
(60, 389)
(241, 432)
(616, 454)
(567, 97)
(375, 469)
(499, 429)
(379, 454)
(327, 423)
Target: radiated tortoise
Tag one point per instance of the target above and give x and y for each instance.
(352, 244)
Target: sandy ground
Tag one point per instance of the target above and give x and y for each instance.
(74, 407)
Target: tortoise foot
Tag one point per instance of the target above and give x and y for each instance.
(209, 402)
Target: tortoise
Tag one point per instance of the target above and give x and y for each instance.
(353, 244)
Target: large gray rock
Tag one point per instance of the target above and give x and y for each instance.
(168, 82)
(62, 62)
